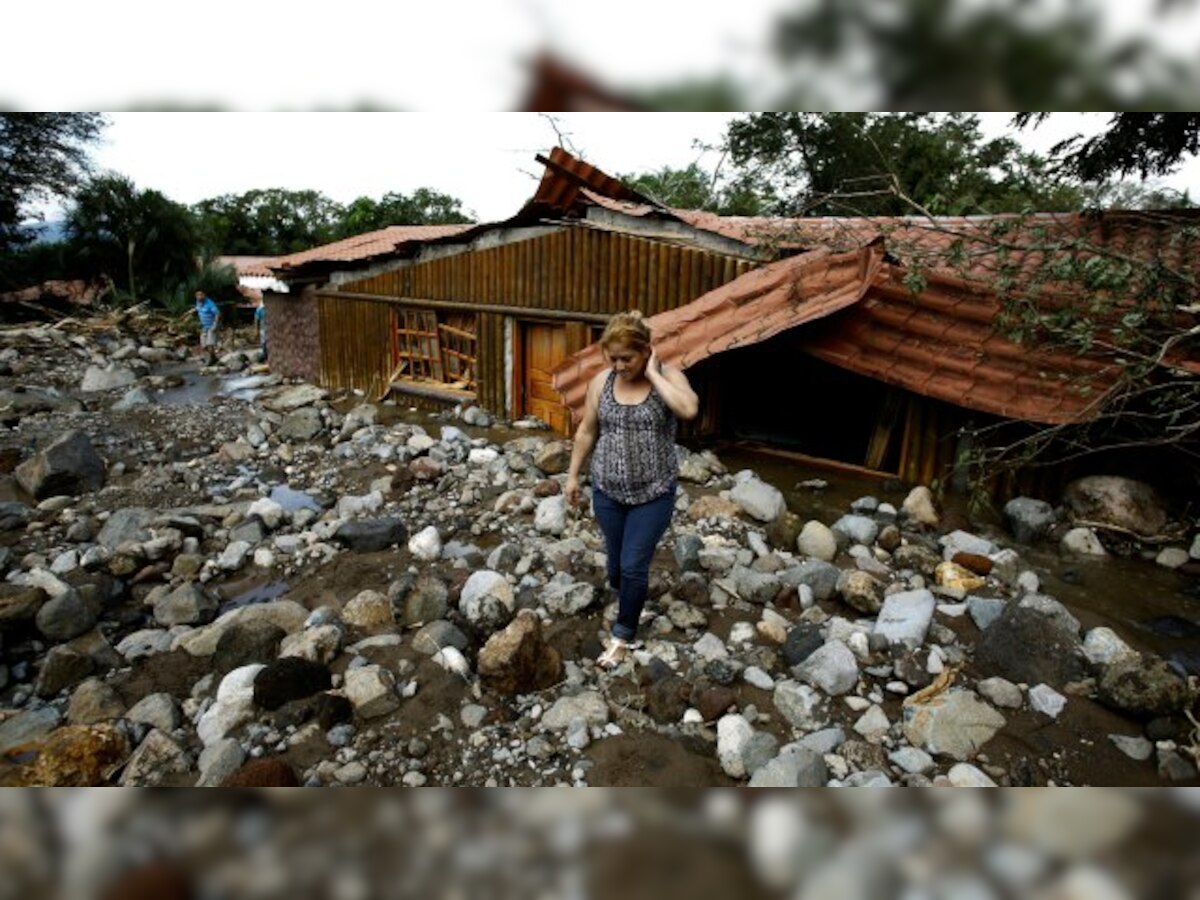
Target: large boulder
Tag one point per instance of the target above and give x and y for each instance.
(302, 425)
(14, 515)
(243, 643)
(1143, 687)
(372, 535)
(290, 678)
(123, 525)
(106, 379)
(831, 667)
(1131, 505)
(70, 465)
(517, 660)
(80, 756)
(372, 690)
(553, 457)
(20, 603)
(818, 541)
(369, 610)
(487, 600)
(905, 617)
(65, 616)
(1029, 519)
(1024, 645)
(758, 499)
(861, 590)
(955, 724)
(188, 604)
(291, 398)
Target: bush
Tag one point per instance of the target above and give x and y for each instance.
(219, 281)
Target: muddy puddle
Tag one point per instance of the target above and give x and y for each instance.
(236, 594)
(201, 387)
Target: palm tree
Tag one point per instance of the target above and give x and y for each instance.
(114, 227)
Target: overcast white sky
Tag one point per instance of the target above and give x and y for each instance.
(485, 159)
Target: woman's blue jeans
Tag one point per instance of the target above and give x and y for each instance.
(631, 534)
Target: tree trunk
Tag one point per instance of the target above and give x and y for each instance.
(129, 256)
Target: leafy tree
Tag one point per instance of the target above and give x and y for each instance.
(141, 240)
(952, 54)
(1134, 142)
(694, 188)
(41, 155)
(268, 222)
(425, 206)
(884, 163)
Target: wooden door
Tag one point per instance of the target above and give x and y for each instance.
(543, 347)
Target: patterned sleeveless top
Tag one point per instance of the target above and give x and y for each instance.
(634, 460)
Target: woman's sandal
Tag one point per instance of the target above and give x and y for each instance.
(614, 655)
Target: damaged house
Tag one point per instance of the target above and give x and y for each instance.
(877, 343)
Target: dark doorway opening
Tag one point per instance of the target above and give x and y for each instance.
(776, 394)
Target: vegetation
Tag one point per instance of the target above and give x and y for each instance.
(139, 240)
(877, 164)
(1123, 289)
(424, 207)
(695, 188)
(42, 155)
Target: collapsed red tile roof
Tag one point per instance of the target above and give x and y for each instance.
(942, 341)
(76, 292)
(363, 247)
(747, 310)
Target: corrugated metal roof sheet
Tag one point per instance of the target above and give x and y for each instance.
(362, 247)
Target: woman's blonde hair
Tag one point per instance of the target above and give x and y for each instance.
(629, 329)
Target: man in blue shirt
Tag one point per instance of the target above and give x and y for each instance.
(209, 315)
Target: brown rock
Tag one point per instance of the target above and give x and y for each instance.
(553, 457)
(711, 506)
(973, 562)
(666, 699)
(889, 538)
(863, 757)
(782, 532)
(20, 604)
(79, 756)
(916, 557)
(270, 771)
(713, 701)
(547, 488)
(861, 591)
(1132, 505)
(153, 881)
(424, 468)
(517, 659)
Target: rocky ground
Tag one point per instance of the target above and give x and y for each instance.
(305, 589)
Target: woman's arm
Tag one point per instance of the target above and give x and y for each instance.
(673, 386)
(585, 440)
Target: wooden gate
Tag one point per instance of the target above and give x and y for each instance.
(543, 347)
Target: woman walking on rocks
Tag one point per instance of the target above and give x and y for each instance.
(630, 419)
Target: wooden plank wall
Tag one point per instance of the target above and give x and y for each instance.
(576, 270)
(355, 350)
(490, 346)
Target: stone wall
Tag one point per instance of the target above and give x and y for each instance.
(294, 335)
